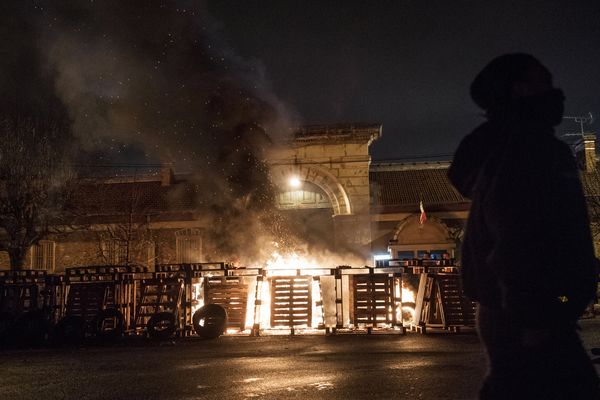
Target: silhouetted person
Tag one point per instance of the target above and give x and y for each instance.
(527, 256)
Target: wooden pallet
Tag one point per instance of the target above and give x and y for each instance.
(193, 277)
(18, 298)
(158, 295)
(231, 293)
(374, 300)
(441, 304)
(291, 301)
(27, 290)
(87, 299)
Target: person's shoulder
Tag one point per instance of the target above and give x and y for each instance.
(483, 130)
(479, 136)
(560, 153)
(560, 148)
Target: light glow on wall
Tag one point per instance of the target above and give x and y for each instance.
(294, 182)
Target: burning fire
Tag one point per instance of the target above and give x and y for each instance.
(408, 304)
(293, 264)
(408, 296)
(322, 292)
(290, 262)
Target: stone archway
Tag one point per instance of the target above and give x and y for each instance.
(318, 176)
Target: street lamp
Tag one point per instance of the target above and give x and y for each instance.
(294, 182)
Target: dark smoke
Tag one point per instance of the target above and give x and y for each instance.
(152, 79)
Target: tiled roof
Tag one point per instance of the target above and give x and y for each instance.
(141, 197)
(405, 186)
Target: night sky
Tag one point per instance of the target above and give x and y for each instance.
(197, 83)
(408, 64)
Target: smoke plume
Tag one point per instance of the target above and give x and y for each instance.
(148, 81)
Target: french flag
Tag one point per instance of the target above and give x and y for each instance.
(423, 216)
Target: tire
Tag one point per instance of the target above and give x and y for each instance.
(162, 325)
(70, 330)
(30, 328)
(7, 320)
(210, 321)
(115, 331)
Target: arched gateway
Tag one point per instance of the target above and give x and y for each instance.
(324, 180)
(327, 167)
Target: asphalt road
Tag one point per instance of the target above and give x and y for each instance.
(414, 366)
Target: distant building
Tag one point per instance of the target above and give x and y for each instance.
(397, 191)
(334, 196)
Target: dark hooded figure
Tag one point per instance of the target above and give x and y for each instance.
(527, 257)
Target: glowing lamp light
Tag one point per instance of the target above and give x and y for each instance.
(294, 182)
(381, 257)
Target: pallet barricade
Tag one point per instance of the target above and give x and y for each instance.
(368, 298)
(217, 283)
(29, 290)
(30, 302)
(100, 300)
(231, 293)
(23, 291)
(157, 312)
(334, 299)
(291, 301)
(192, 276)
(165, 301)
(441, 303)
(375, 300)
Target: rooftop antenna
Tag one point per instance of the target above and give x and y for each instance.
(589, 119)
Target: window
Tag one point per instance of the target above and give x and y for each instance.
(42, 255)
(189, 246)
(114, 252)
(438, 254)
(151, 254)
(406, 255)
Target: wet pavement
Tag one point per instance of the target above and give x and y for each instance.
(378, 366)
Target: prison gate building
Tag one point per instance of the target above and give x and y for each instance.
(330, 191)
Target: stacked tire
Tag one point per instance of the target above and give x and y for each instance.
(210, 321)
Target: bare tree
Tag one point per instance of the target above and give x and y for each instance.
(35, 178)
(127, 241)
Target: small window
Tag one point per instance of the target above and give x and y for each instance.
(42, 255)
(438, 254)
(423, 254)
(189, 246)
(406, 255)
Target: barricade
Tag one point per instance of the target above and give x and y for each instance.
(99, 301)
(30, 301)
(367, 299)
(216, 283)
(441, 303)
(333, 299)
(158, 311)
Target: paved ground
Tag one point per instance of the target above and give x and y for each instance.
(436, 366)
